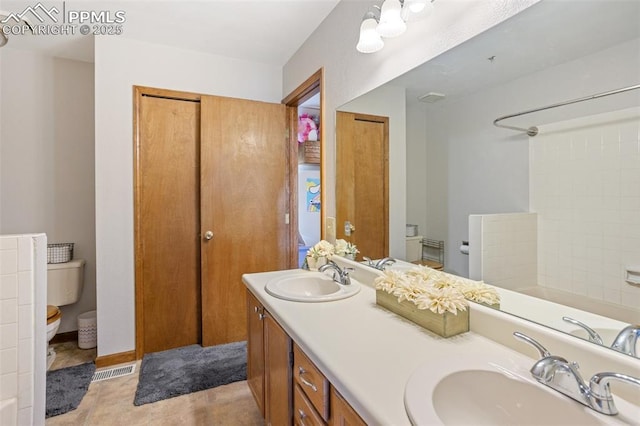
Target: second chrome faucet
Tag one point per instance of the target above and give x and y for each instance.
(564, 377)
(340, 276)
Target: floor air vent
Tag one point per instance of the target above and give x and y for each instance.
(112, 373)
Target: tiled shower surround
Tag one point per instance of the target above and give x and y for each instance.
(22, 329)
(585, 187)
(584, 229)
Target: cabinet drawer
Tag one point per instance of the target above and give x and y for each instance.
(303, 412)
(311, 381)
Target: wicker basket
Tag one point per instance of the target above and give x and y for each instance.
(59, 253)
(312, 152)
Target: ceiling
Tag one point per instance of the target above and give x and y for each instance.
(548, 33)
(266, 31)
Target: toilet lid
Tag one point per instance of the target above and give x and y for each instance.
(52, 311)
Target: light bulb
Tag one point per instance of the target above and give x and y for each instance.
(391, 23)
(370, 41)
(417, 6)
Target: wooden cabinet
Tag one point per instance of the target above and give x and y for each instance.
(342, 414)
(300, 396)
(269, 360)
(255, 350)
(277, 383)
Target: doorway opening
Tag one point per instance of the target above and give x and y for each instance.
(306, 108)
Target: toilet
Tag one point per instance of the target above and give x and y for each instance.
(64, 287)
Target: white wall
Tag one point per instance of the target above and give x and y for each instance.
(487, 167)
(119, 65)
(349, 74)
(416, 167)
(389, 101)
(47, 157)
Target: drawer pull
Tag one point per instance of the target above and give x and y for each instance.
(302, 416)
(301, 372)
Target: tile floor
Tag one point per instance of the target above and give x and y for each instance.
(110, 402)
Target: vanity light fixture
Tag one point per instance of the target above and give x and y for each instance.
(388, 20)
(370, 41)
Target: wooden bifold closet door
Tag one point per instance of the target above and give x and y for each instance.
(244, 181)
(168, 222)
(211, 200)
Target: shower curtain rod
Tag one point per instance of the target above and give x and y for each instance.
(533, 130)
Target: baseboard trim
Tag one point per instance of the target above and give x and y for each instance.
(69, 336)
(113, 359)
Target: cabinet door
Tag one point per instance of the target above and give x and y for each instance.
(342, 414)
(278, 378)
(244, 200)
(255, 350)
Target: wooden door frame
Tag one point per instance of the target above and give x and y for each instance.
(138, 93)
(312, 85)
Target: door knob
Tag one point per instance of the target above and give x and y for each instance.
(208, 235)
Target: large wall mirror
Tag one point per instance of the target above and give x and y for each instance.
(579, 177)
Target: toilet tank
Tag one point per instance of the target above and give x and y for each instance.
(65, 282)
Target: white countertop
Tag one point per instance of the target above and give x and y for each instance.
(365, 351)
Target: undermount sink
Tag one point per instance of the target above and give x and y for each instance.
(490, 389)
(310, 287)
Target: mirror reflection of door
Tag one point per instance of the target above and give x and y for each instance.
(362, 182)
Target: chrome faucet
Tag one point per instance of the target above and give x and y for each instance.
(624, 342)
(627, 340)
(380, 264)
(564, 377)
(340, 276)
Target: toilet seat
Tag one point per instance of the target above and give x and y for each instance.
(53, 314)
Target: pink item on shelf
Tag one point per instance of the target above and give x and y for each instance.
(306, 124)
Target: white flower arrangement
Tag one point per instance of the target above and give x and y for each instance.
(478, 291)
(326, 249)
(321, 249)
(345, 248)
(434, 290)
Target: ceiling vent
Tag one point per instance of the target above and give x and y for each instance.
(431, 97)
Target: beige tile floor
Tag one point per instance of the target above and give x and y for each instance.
(110, 402)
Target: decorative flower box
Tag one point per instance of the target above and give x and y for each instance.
(445, 325)
(494, 306)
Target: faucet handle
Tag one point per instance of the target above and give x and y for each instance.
(593, 335)
(544, 353)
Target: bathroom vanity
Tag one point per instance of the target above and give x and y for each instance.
(365, 361)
